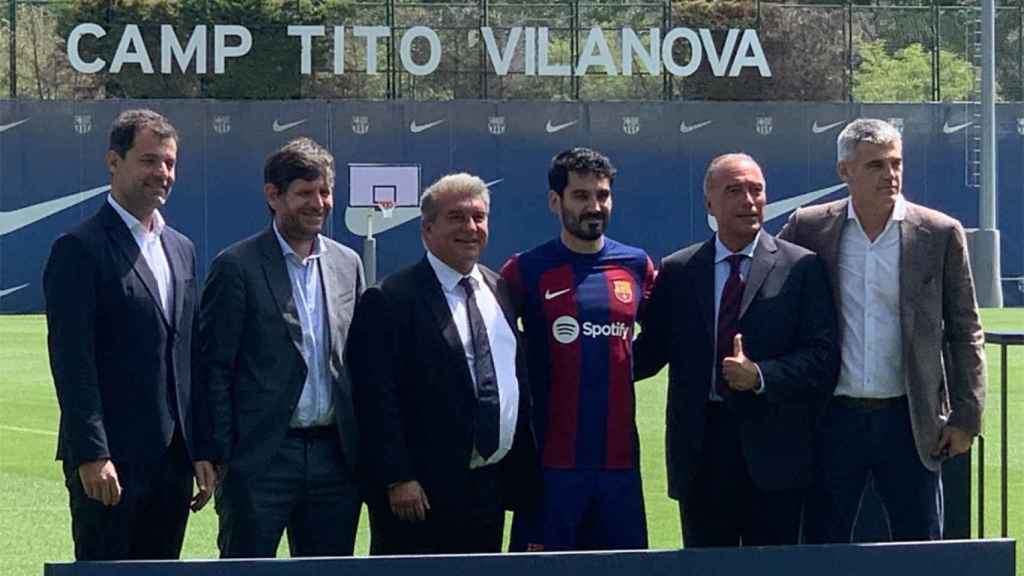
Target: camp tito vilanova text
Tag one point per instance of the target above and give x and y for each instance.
(526, 49)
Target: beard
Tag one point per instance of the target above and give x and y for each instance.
(589, 226)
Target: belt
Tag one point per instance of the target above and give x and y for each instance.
(314, 433)
(869, 404)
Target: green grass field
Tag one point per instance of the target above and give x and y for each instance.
(34, 524)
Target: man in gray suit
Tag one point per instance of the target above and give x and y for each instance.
(912, 382)
(273, 323)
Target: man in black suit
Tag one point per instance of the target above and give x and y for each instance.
(273, 323)
(441, 394)
(120, 294)
(747, 326)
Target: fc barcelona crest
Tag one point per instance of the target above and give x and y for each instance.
(623, 290)
(360, 124)
(631, 125)
(83, 123)
(496, 125)
(764, 125)
(222, 124)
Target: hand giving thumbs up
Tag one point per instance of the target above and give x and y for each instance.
(739, 371)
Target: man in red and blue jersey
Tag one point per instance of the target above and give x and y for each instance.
(578, 297)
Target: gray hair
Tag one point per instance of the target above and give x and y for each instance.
(461, 184)
(717, 161)
(870, 130)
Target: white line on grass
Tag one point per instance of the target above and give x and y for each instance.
(28, 430)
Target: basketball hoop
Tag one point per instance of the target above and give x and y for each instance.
(385, 207)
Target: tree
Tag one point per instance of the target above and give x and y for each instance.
(269, 71)
(42, 72)
(905, 75)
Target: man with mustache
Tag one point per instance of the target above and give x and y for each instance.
(747, 326)
(578, 297)
(120, 298)
(912, 385)
(273, 326)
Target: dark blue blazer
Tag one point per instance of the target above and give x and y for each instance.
(414, 395)
(250, 338)
(121, 367)
(788, 323)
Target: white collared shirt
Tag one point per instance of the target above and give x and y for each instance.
(152, 250)
(503, 347)
(315, 407)
(722, 271)
(869, 297)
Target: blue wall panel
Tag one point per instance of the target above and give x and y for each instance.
(218, 197)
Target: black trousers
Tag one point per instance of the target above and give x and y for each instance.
(306, 489)
(476, 526)
(149, 521)
(724, 507)
(858, 439)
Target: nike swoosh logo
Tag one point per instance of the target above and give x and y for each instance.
(278, 127)
(417, 128)
(17, 219)
(947, 129)
(819, 129)
(782, 207)
(687, 129)
(7, 291)
(357, 217)
(552, 128)
(549, 295)
(6, 127)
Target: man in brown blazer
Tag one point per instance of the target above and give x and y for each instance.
(912, 381)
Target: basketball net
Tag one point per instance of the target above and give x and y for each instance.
(386, 208)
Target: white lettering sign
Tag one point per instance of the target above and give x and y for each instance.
(532, 51)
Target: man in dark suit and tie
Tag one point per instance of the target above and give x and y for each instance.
(273, 323)
(120, 294)
(747, 326)
(441, 394)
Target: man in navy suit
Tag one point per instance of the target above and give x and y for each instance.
(440, 389)
(120, 295)
(747, 325)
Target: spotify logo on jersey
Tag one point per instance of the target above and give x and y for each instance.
(565, 329)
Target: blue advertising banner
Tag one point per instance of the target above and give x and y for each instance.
(52, 172)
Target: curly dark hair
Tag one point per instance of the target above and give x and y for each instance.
(582, 161)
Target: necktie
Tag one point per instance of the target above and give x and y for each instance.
(728, 319)
(486, 429)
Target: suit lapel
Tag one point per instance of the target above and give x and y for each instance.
(122, 237)
(434, 298)
(832, 233)
(177, 266)
(328, 278)
(704, 261)
(914, 260)
(765, 254)
(330, 275)
(276, 271)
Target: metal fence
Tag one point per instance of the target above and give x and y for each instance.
(844, 51)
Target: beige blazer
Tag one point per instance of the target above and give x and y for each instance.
(943, 343)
